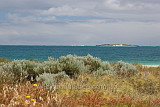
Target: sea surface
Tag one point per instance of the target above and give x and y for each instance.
(148, 55)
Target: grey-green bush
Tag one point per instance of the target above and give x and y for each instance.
(124, 69)
(93, 63)
(51, 80)
(72, 65)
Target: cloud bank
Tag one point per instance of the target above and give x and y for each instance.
(79, 22)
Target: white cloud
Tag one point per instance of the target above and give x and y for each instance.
(64, 10)
(116, 5)
(80, 7)
(128, 6)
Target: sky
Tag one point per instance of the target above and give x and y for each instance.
(79, 22)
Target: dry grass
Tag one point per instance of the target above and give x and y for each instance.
(27, 95)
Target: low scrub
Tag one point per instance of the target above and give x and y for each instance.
(75, 81)
(72, 65)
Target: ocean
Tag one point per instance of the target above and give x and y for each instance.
(148, 55)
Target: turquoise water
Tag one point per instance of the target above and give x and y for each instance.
(143, 54)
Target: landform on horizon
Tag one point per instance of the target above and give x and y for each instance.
(116, 45)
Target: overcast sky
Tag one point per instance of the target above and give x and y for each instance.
(79, 22)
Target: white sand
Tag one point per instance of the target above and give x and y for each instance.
(151, 65)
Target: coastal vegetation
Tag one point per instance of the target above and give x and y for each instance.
(77, 81)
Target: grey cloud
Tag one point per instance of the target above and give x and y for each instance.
(123, 9)
(16, 18)
(88, 5)
(117, 21)
(87, 33)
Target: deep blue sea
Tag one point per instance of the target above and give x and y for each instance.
(149, 55)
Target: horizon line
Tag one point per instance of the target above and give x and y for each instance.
(65, 45)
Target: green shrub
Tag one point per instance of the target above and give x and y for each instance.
(51, 80)
(50, 66)
(20, 67)
(106, 66)
(124, 69)
(104, 69)
(92, 62)
(72, 65)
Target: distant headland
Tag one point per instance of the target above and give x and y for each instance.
(116, 45)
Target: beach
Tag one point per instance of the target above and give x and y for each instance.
(151, 65)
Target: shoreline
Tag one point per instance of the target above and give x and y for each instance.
(151, 65)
